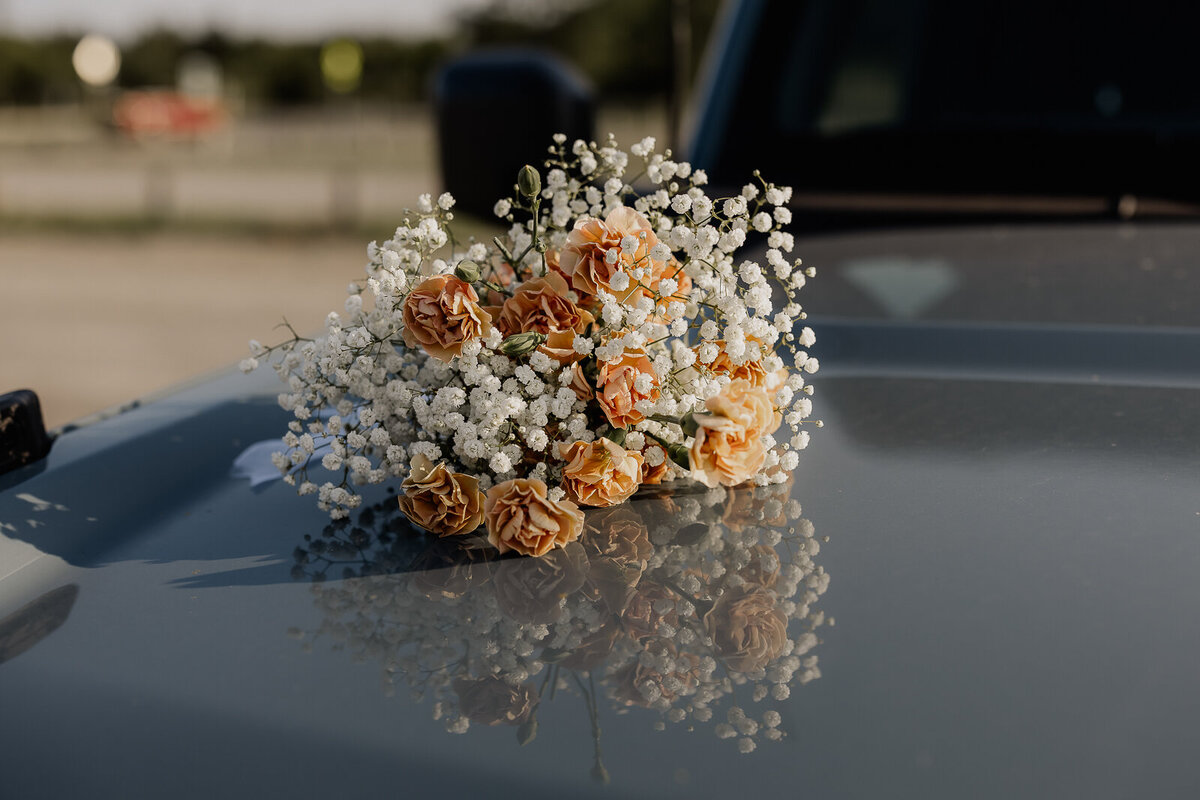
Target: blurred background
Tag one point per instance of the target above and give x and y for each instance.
(177, 178)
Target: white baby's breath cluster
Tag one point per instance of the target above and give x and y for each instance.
(641, 616)
(672, 317)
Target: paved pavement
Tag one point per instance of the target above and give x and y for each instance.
(90, 321)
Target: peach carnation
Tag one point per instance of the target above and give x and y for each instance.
(541, 306)
(750, 370)
(586, 262)
(728, 448)
(440, 501)
(579, 383)
(521, 517)
(441, 315)
(600, 473)
(618, 388)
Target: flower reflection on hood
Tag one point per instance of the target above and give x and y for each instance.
(695, 608)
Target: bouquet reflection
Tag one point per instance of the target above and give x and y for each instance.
(699, 608)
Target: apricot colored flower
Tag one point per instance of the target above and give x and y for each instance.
(579, 384)
(619, 535)
(653, 475)
(541, 305)
(618, 388)
(440, 501)
(747, 628)
(600, 473)
(585, 258)
(728, 448)
(752, 371)
(521, 517)
(553, 266)
(441, 315)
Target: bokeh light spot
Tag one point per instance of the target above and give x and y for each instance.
(97, 60)
(341, 64)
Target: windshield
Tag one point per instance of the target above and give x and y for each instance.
(933, 64)
(1017, 97)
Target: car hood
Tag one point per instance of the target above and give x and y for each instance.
(998, 570)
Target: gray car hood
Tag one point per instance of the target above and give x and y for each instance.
(1007, 518)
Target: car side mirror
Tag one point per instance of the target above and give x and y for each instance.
(497, 111)
(23, 438)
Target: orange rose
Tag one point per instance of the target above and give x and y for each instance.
(521, 517)
(617, 387)
(728, 447)
(584, 259)
(440, 501)
(441, 315)
(747, 628)
(600, 473)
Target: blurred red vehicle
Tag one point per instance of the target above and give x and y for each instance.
(160, 112)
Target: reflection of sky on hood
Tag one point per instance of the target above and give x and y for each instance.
(269, 18)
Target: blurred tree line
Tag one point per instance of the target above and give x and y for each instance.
(624, 46)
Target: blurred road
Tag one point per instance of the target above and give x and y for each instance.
(300, 168)
(90, 321)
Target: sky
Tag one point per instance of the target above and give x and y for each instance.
(285, 19)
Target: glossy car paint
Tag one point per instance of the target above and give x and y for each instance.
(1009, 491)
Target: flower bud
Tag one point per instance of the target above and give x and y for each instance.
(521, 343)
(679, 454)
(467, 271)
(527, 732)
(688, 423)
(529, 182)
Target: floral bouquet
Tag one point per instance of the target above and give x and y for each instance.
(609, 340)
(700, 608)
